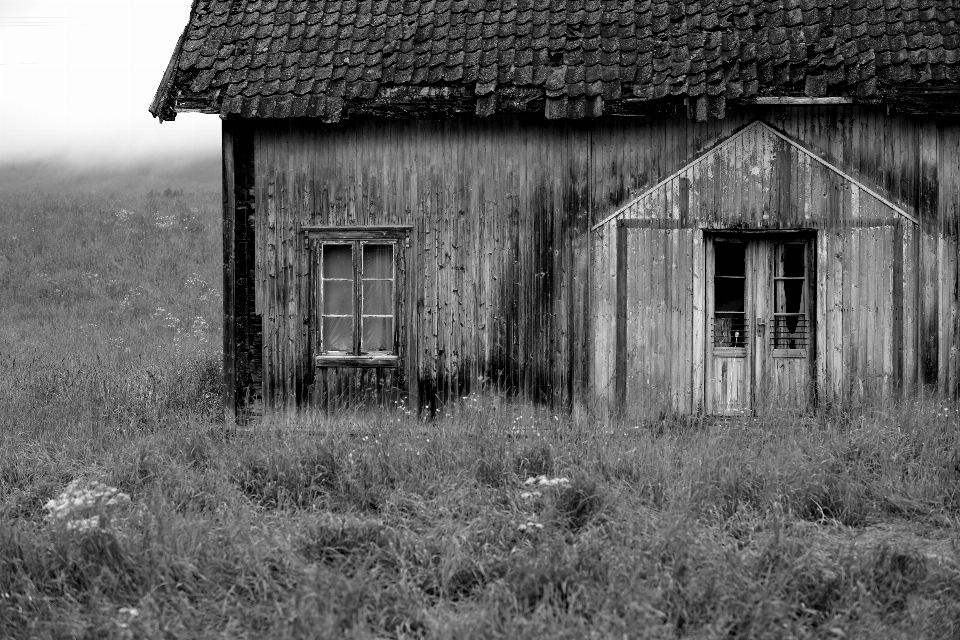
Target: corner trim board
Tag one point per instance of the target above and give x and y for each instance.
(229, 276)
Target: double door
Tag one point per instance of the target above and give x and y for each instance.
(759, 316)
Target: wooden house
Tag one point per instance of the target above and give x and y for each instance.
(637, 206)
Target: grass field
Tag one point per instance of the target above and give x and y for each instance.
(494, 520)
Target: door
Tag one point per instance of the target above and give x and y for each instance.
(759, 316)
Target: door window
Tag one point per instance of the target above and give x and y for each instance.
(729, 294)
(790, 326)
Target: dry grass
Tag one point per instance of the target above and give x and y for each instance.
(386, 525)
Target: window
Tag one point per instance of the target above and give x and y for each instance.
(789, 296)
(729, 282)
(357, 275)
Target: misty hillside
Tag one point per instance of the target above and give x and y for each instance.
(196, 174)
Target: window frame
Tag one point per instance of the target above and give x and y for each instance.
(731, 351)
(804, 314)
(318, 236)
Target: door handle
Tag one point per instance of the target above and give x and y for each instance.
(761, 326)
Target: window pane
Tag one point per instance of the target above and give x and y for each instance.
(789, 262)
(378, 297)
(337, 261)
(729, 259)
(729, 330)
(789, 296)
(378, 261)
(337, 297)
(338, 334)
(728, 294)
(790, 332)
(377, 334)
(729, 284)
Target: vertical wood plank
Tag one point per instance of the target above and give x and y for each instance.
(944, 286)
(698, 319)
(824, 278)
(229, 276)
(927, 212)
(887, 234)
(710, 383)
(896, 309)
(621, 319)
(674, 361)
(911, 301)
(636, 346)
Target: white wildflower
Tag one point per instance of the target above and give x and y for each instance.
(529, 525)
(84, 525)
(129, 614)
(544, 481)
(82, 503)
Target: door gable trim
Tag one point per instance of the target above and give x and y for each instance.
(863, 187)
(758, 125)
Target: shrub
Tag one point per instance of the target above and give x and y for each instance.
(334, 540)
(492, 471)
(534, 461)
(578, 502)
(892, 574)
(287, 479)
(830, 494)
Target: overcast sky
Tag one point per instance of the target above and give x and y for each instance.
(77, 76)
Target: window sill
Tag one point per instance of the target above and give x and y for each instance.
(730, 352)
(357, 361)
(789, 353)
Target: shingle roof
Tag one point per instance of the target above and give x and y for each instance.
(563, 58)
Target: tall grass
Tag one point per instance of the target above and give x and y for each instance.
(493, 520)
(400, 528)
(111, 313)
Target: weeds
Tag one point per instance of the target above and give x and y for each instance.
(318, 532)
(286, 479)
(493, 520)
(578, 502)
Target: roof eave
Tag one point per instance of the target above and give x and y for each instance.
(163, 106)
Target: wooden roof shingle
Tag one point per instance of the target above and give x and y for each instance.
(563, 58)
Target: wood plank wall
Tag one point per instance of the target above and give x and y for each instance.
(499, 219)
(887, 313)
(507, 285)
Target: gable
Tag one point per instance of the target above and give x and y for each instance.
(563, 59)
(760, 178)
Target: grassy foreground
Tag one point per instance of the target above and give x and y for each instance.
(839, 525)
(396, 528)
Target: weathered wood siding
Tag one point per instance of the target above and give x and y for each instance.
(661, 312)
(507, 284)
(494, 272)
(887, 289)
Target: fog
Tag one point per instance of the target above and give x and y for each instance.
(77, 77)
(189, 173)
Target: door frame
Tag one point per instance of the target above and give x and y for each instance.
(710, 236)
